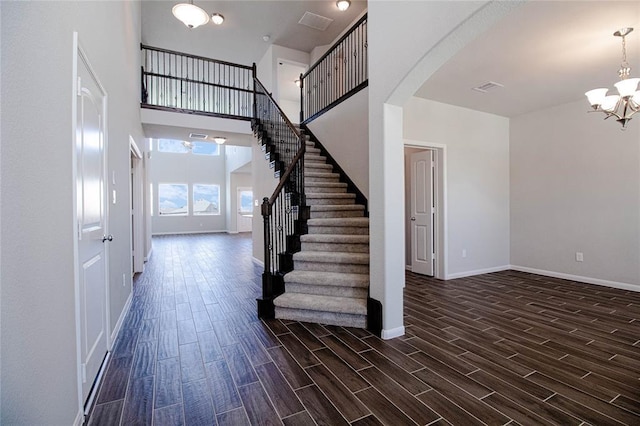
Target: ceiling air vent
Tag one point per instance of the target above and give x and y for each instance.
(490, 85)
(315, 21)
(198, 136)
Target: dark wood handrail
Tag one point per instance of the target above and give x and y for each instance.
(286, 174)
(187, 55)
(284, 116)
(333, 47)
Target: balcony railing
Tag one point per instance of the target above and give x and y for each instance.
(339, 74)
(181, 82)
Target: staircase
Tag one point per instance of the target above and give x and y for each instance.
(330, 280)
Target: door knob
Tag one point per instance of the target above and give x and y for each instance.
(413, 219)
(107, 238)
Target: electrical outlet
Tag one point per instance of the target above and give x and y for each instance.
(579, 256)
(464, 253)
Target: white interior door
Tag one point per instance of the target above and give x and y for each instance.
(422, 213)
(92, 224)
(245, 209)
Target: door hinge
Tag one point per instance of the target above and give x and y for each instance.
(84, 373)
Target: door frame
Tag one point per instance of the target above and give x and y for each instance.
(80, 55)
(136, 207)
(440, 230)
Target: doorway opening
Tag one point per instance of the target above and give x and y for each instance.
(425, 206)
(136, 189)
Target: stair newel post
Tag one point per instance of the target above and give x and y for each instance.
(301, 191)
(266, 308)
(301, 98)
(254, 73)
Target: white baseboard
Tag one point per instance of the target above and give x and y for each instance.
(79, 420)
(477, 272)
(257, 261)
(232, 232)
(123, 314)
(588, 280)
(146, 259)
(394, 332)
(407, 267)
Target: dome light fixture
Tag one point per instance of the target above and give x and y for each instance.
(190, 14)
(627, 101)
(219, 140)
(343, 5)
(217, 18)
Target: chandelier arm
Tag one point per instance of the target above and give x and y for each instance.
(610, 114)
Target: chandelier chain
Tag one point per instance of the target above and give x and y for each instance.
(625, 69)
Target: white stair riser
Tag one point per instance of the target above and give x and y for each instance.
(325, 290)
(349, 230)
(336, 247)
(344, 320)
(351, 268)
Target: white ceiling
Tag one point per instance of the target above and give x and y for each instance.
(545, 53)
(239, 38)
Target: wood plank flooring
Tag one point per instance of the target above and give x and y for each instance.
(495, 349)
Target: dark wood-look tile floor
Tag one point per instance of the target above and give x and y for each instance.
(495, 349)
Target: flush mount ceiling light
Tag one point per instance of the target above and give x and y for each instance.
(627, 101)
(219, 140)
(190, 14)
(217, 19)
(343, 4)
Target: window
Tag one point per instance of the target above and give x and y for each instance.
(245, 200)
(172, 145)
(205, 148)
(206, 199)
(172, 199)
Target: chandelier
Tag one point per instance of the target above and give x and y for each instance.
(627, 101)
(190, 14)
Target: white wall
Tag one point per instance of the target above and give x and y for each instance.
(39, 363)
(477, 181)
(263, 183)
(344, 132)
(575, 187)
(291, 109)
(191, 169)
